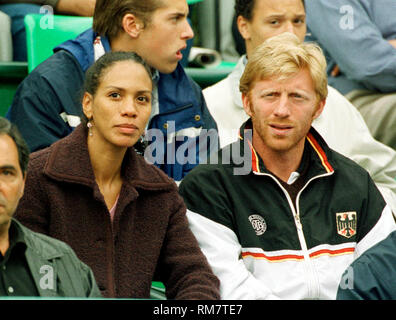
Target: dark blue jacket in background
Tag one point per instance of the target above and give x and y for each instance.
(373, 274)
(55, 87)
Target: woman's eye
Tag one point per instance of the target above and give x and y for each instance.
(143, 99)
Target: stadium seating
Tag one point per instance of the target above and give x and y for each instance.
(44, 32)
(11, 74)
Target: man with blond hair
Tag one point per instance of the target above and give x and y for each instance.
(289, 227)
(340, 123)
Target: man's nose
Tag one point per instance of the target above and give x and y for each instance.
(289, 27)
(282, 109)
(188, 32)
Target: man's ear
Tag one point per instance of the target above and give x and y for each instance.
(319, 109)
(243, 27)
(132, 25)
(246, 104)
(87, 103)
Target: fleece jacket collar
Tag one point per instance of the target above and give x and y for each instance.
(69, 161)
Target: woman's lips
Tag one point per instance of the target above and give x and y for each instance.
(127, 128)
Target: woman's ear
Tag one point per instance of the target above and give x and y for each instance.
(87, 103)
(132, 25)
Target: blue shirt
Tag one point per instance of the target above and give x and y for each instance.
(354, 35)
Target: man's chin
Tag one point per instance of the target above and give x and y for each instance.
(169, 68)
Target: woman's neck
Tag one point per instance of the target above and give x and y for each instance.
(106, 160)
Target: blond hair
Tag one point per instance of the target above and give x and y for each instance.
(282, 57)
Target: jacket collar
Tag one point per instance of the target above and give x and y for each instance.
(320, 152)
(82, 48)
(69, 161)
(45, 252)
(40, 258)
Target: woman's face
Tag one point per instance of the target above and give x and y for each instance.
(121, 105)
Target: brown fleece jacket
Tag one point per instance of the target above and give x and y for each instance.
(148, 239)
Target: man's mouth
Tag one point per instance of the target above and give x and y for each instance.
(281, 128)
(179, 53)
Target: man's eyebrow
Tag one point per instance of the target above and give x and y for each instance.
(272, 16)
(178, 14)
(8, 167)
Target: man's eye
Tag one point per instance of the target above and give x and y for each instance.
(114, 95)
(274, 22)
(176, 18)
(297, 96)
(269, 95)
(7, 173)
(299, 21)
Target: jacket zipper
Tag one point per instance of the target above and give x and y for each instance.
(313, 281)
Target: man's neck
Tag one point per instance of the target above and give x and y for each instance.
(282, 164)
(121, 42)
(4, 237)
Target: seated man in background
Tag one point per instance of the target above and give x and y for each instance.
(47, 106)
(288, 227)
(32, 264)
(17, 9)
(359, 40)
(340, 123)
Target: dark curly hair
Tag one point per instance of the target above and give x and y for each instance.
(245, 8)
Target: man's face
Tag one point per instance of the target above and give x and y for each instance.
(270, 18)
(12, 181)
(165, 36)
(282, 111)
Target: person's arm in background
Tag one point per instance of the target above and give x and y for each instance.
(359, 49)
(69, 7)
(76, 7)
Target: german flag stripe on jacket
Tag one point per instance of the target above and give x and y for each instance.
(261, 245)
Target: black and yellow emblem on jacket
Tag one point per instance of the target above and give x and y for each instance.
(346, 223)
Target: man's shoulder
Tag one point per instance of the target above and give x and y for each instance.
(44, 245)
(217, 87)
(345, 164)
(61, 62)
(217, 169)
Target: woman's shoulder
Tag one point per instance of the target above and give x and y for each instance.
(148, 175)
